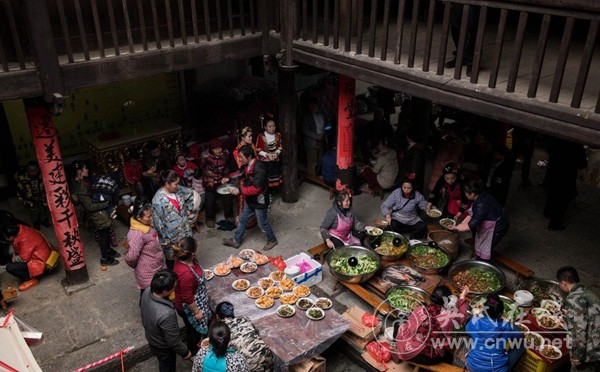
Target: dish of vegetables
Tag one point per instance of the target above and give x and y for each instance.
(391, 245)
(405, 299)
(551, 352)
(428, 257)
(365, 265)
(533, 340)
(285, 311)
(478, 280)
(315, 313)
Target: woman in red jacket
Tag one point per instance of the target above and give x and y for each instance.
(31, 253)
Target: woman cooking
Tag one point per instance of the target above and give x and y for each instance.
(401, 209)
(341, 226)
(486, 218)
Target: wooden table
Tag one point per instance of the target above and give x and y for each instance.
(291, 340)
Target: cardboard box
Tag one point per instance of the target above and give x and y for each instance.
(311, 277)
(354, 316)
(316, 364)
(389, 366)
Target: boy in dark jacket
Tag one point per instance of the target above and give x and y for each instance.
(160, 321)
(255, 188)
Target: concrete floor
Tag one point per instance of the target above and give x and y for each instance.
(104, 318)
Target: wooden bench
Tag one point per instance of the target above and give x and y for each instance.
(320, 182)
(440, 367)
(319, 252)
(519, 269)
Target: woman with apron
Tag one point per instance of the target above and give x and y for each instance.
(341, 226)
(191, 295)
(217, 356)
(486, 218)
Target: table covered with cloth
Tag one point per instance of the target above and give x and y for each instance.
(291, 340)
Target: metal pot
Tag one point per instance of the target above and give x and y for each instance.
(428, 270)
(423, 293)
(467, 264)
(346, 252)
(371, 242)
(535, 286)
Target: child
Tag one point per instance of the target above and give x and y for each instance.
(184, 169)
(132, 171)
(105, 188)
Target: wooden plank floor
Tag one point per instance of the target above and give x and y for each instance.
(591, 91)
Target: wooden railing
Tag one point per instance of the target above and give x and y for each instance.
(549, 47)
(90, 29)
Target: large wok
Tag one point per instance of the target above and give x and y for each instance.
(345, 253)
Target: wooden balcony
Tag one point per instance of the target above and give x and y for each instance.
(532, 65)
(100, 41)
(533, 61)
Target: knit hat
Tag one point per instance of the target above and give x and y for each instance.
(215, 143)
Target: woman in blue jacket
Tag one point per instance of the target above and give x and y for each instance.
(217, 356)
(490, 336)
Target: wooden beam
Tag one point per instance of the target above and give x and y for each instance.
(131, 66)
(558, 120)
(287, 123)
(20, 84)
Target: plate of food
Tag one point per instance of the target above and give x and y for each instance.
(226, 189)
(315, 313)
(302, 290)
(373, 231)
(551, 352)
(222, 269)
(265, 283)
(274, 292)
(533, 340)
(240, 284)
(434, 213)
(286, 311)
(288, 298)
(522, 327)
(208, 274)
(248, 267)
(287, 284)
(264, 302)
(204, 342)
(446, 222)
(550, 305)
(260, 259)
(254, 292)
(539, 311)
(246, 254)
(305, 303)
(277, 276)
(548, 322)
(234, 262)
(323, 303)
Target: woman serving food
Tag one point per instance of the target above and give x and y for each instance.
(486, 218)
(341, 226)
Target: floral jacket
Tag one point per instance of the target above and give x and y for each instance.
(170, 224)
(29, 190)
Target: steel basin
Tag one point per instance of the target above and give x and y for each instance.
(462, 265)
(389, 257)
(346, 252)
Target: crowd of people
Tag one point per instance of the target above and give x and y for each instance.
(469, 183)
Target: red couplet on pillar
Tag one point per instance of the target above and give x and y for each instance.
(345, 137)
(61, 207)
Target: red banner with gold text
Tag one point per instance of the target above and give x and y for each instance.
(61, 207)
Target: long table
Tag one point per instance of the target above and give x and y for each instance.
(291, 340)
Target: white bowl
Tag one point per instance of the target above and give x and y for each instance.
(292, 271)
(389, 334)
(523, 298)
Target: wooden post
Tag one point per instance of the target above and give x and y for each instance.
(45, 141)
(287, 104)
(287, 119)
(44, 51)
(420, 119)
(345, 130)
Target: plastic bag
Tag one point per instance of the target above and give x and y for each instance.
(380, 351)
(304, 266)
(278, 262)
(369, 320)
(31, 335)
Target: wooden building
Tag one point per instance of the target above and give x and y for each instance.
(533, 61)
